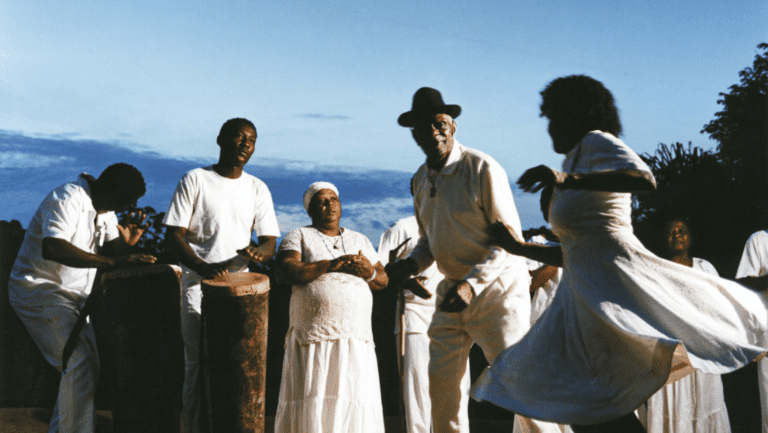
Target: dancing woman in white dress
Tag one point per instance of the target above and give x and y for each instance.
(624, 322)
(330, 380)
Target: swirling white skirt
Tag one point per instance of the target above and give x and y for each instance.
(329, 387)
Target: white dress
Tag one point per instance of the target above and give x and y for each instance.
(330, 380)
(623, 321)
(693, 404)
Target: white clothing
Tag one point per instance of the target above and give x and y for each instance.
(418, 316)
(542, 299)
(48, 297)
(544, 295)
(693, 404)
(220, 215)
(470, 192)
(623, 321)
(66, 213)
(418, 311)
(754, 263)
(453, 225)
(330, 379)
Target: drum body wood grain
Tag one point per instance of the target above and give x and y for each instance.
(142, 313)
(235, 316)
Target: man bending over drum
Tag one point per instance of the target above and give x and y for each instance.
(74, 232)
(210, 221)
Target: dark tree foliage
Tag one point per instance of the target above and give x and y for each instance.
(696, 184)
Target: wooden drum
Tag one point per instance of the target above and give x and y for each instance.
(145, 351)
(235, 315)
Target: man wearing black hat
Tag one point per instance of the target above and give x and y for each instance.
(484, 298)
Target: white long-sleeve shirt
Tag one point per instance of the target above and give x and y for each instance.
(471, 192)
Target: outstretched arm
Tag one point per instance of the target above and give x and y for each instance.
(263, 252)
(175, 237)
(505, 237)
(129, 234)
(629, 180)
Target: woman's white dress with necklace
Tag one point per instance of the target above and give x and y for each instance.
(693, 404)
(330, 380)
(623, 322)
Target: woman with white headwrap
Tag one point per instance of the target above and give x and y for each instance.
(330, 374)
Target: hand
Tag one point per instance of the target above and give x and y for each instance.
(134, 259)
(357, 265)
(505, 236)
(457, 298)
(416, 286)
(254, 254)
(133, 228)
(401, 270)
(539, 177)
(212, 270)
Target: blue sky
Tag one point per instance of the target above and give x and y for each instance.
(325, 81)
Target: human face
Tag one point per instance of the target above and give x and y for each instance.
(434, 135)
(678, 237)
(562, 139)
(325, 207)
(238, 146)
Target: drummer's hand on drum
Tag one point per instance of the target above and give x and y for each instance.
(540, 177)
(134, 259)
(133, 228)
(212, 270)
(505, 237)
(457, 298)
(254, 254)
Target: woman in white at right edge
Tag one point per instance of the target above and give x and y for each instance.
(695, 403)
(623, 322)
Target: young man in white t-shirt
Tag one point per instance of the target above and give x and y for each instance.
(210, 221)
(753, 272)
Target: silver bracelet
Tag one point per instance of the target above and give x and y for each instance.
(372, 276)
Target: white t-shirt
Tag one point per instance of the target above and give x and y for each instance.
(335, 305)
(220, 214)
(418, 311)
(66, 213)
(754, 260)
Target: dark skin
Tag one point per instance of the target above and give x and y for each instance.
(678, 241)
(547, 179)
(435, 136)
(114, 253)
(236, 149)
(325, 211)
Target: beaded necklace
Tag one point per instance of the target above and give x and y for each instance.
(343, 247)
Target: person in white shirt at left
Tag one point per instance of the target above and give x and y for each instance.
(73, 233)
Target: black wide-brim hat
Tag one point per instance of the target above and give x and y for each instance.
(427, 102)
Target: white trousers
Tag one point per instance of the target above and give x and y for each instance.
(192, 395)
(762, 383)
(418, 406)
(497, 318)
(50, 327)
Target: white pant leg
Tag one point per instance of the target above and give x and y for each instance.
(50, 327)
(449, 347)
(418, 405)
(762, 383)
(191, 298)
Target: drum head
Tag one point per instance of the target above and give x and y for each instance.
(236, 284)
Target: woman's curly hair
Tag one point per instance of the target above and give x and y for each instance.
(584, 101)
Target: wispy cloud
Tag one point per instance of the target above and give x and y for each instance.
(30, 160)
(320, 116)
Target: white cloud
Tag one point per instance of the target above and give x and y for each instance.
(30, 160)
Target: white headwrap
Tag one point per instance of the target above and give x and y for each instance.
(314, 188)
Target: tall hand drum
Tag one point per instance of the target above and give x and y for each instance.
(142, 309)
(235, 315)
